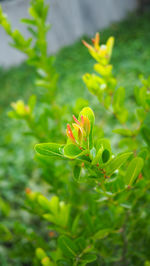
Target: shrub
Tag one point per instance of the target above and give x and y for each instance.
(101, 215)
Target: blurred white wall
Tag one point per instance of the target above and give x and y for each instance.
(70, 20)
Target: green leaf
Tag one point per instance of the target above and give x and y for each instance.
(103, 149)
(81, 243)
(44, 202)
(145, 131)
(51, 206)
(147, 263)
(4, 207)
(49, 149)
(5, 234)
(68, 247)
(54, 204)
(143, 153)
(122, 115)
(119, 96)
(102, 233)
(32, 101)
(141, 114)
(105, 143)
(87, 112)
(123, 132)
(72, 151)
(89, 221)
(102, 156)
(64, 212)
(136, 94)
(63, 263)
(75, 224)
(51, 218)
(107, 101)
(40, 253)
(143, 96)
(89, 257)
(117, 162)
(118, 105)
(46, 262)
(105, 156)
(28, 21)
(134, 169)
(110, 44)
(103, 70)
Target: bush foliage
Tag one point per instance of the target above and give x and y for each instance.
(93, 206)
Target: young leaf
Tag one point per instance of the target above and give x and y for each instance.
(102, 233)
(145, 131)
(63, 263)
(103, 149)
(28, 21)
(134, 169)
(119, 99)
(40, 253)
(123, 132)
(72, 151)
(54, 204)
(110, 44)
(81, 243)
(87, 258)
(49, 149)
(105, 156)
(102, 156)
(143, 153)
(44, 202)
(46, 262)
(105, 143)
(117, 162)
(87, 112)
(75, 224)
(68, 247)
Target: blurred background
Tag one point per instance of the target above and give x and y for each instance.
(70, 20)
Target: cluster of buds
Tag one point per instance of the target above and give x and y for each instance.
(102, 53)
(20, 108)
(80, 134)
